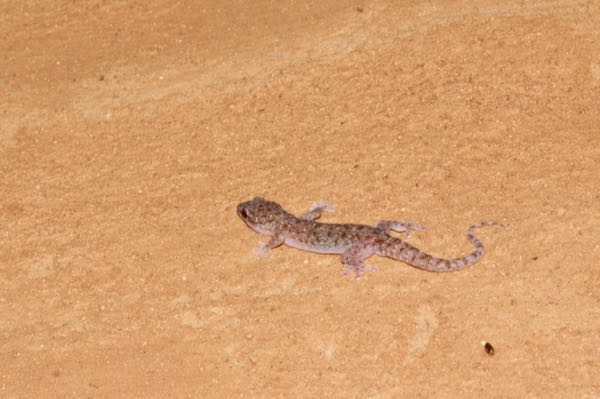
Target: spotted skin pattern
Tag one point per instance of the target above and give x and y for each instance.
(355, 242)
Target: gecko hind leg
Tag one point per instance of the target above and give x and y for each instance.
(317, 210)
(357, 270)
(352, 258)
(399, 226)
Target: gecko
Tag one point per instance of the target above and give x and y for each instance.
(355, 242)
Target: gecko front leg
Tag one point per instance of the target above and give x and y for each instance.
(354, 256)
(317, 209)
(266, 248)
(399, 226)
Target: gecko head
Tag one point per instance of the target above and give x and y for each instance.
(261, 215)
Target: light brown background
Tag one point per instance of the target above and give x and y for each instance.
(129, 131)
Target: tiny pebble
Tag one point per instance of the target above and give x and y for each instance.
(489, 349)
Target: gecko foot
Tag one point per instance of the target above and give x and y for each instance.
(317, 209)
(262, 250)
(357, 269)
(324, 206)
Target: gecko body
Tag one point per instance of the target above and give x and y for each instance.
(355, 242)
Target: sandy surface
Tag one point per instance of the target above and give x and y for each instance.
(129, 131)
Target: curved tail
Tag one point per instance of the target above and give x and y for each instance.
(414, 257)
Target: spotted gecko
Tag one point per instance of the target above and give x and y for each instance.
(355, 242)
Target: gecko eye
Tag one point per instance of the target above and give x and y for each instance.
(244, 214)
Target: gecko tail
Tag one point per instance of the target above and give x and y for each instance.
(424, 261)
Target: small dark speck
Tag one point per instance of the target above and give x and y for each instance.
(101, 78)
(489, 349)
(534, 258)
(359, 9)
(56, 373)
(93, 385)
